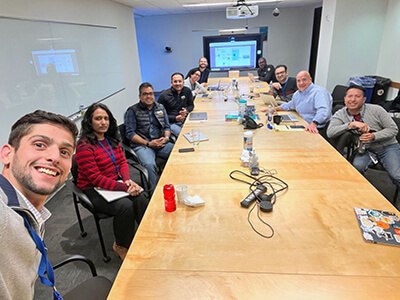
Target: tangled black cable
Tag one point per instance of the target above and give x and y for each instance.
(266, 181)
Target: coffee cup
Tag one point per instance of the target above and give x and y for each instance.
(277, 119)
(181, 191)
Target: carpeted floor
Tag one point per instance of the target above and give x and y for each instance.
(63, 237)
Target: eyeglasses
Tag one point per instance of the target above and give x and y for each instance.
(196, 74)
(147, 94)
(280, 73)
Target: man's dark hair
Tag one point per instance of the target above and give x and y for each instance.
(358, 87)
(281, 66)
(87, 132)
(177, 73)
(145, 85)
(24, 125)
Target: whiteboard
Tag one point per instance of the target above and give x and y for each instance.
(56, 67)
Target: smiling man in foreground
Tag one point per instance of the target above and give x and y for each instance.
(37, 160)
(376, 130)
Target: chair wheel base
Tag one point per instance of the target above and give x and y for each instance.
(83, 234)
(106, 259)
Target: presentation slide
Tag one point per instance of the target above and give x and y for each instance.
(233, 55)
(60, 61)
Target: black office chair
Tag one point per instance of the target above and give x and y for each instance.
(96, 287)
(137, 173)
(379, 166)
(81, 198)
(338, 94)
(350, 141)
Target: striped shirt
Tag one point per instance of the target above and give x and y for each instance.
(96, 168)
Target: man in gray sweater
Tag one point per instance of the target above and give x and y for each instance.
(377, 132)
(37, 160)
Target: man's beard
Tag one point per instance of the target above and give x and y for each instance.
(25, 179)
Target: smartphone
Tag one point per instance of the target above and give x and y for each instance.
(186, 150)
(297, 126)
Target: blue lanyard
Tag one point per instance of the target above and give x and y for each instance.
(283, 89)
(44, 266)
(111, 155)
(202, 74)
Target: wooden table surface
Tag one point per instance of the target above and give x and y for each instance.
(211, 252)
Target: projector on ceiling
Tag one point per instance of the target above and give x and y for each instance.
(242, 12)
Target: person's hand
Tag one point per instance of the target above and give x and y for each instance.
(272, 110)
(180, 118)
(133, 188)
(164, 140)
(360, 126)
(312, 128)
(157, 143)
(367, 137)
(276, 85)
(183, 112)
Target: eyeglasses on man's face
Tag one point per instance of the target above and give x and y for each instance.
(147, 94)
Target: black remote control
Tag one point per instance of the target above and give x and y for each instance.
(186, 150)
(261, 189)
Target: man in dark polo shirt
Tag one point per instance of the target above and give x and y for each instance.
(178, 102)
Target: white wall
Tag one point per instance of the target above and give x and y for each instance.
(389, 57)
(351, 37)
(98, 12)
(289, 40)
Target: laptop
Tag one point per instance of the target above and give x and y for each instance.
(252, 78)
(289, 118)
(378, 226)
(198, 116)
(268, 99)
(216, 88)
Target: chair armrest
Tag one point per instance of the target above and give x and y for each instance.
(66, 259)
(129, 153)
(82, 196)
(142, 170)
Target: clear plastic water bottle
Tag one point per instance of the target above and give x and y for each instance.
(242, 107)
(169, 198)
(81, 109)
(269, 114)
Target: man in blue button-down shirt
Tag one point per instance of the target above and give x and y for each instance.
(312, 102)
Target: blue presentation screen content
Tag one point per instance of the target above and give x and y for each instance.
(59, 61)
(233, 55)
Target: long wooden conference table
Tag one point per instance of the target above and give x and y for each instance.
(211, 252)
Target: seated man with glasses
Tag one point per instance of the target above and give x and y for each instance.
(148, 129)
(285, 86)
(191, 82)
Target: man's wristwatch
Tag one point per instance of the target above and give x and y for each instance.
(147, 144)
(315, 122)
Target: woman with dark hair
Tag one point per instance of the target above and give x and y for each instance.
(101, 163)
(191, 82)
